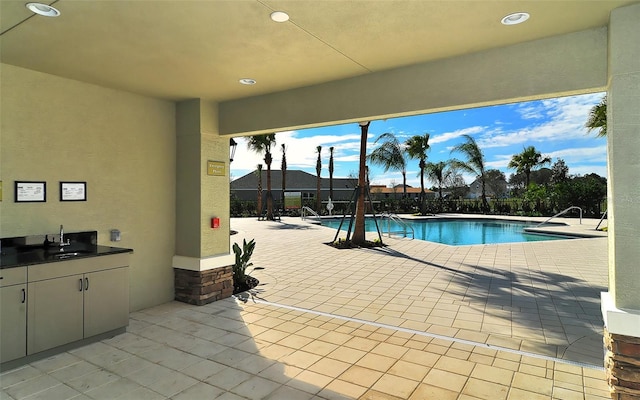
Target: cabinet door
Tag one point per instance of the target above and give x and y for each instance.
(13, 322)
(106, 301)
(55, 312)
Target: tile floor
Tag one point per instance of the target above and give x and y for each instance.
(415, 320)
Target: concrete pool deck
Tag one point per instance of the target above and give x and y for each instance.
(414, 320)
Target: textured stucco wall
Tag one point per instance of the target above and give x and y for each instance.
(623, 146)
(123, 145)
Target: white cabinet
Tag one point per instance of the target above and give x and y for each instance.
(13, 313)
(76, 299)
(106, 301)
(55, 313)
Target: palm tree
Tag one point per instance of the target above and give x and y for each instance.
(262, 144)
(438, 174)
(417, 147)
(283, 170)
(390, 155)
(358, 237)
(259, 176)
(318, 170)
(331, 172)
(474, 164)
(598, 118)
(527, 161)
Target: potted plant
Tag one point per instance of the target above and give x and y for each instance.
(241, 281)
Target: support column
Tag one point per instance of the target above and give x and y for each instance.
(202, 263)
(621, 304)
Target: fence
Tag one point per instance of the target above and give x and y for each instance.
(510, 206)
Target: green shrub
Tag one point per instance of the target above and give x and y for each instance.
(242, 261)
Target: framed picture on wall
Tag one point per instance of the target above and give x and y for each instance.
(30, 191)
(73, 191)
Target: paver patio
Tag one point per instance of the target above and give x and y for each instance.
(414, 320)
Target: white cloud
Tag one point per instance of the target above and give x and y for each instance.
(567, 116)
(528, 111)
(581, 155)
(500, 162)
(444, 137)
(301, 152)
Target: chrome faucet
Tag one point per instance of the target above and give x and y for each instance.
(62, 242)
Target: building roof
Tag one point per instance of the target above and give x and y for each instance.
(295, 179)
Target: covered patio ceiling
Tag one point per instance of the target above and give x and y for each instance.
(178, 50)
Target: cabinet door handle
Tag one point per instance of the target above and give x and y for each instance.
(24, 296)
(86, 283)
(80, 281)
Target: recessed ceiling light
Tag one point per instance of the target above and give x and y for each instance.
(279, 16)
(515, 18)
(247, 81)
(43, 9)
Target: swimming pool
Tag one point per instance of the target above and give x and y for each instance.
(458, 232)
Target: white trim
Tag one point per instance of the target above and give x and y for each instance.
(203, 264)
(617, 321)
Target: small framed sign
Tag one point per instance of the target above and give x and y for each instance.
(30, 191)
(73, 191)
(216, 168)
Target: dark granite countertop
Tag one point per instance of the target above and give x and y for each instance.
(12, 258)
(30, 250)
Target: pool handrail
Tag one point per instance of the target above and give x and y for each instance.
(560, 213)
(305, 210)
(395, 218)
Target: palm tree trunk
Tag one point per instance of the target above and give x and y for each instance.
(331, 172)
(404, 184)
(358, 230)
(269, 195)
(284, 174)
(485, 204)
(259, 205)
(422, 193)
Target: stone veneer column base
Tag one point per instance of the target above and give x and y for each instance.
(203, 287)
(622, 363)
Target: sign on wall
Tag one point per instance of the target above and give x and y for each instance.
(216, 168)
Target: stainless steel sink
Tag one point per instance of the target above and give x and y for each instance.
(69, 254)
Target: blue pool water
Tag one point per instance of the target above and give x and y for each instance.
(458, 232)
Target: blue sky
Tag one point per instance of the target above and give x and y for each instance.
(555, 127)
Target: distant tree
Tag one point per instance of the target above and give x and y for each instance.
(438, 173)
(559, 172)
(318, 171)
(259, 176)
(496, 182)
(598, 118)
(283, 170)
(586, 192)
(474, 164)
(456, 185)
(541, 176)
(390, 156)
(417, 147)
(331, 172)
(262, 144)
(358, 237)
(528, 160)
(516, 183)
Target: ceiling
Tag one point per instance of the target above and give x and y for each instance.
(180, 49)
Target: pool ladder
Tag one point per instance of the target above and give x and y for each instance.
(308, 211)
(406, 228)
(560, 213)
